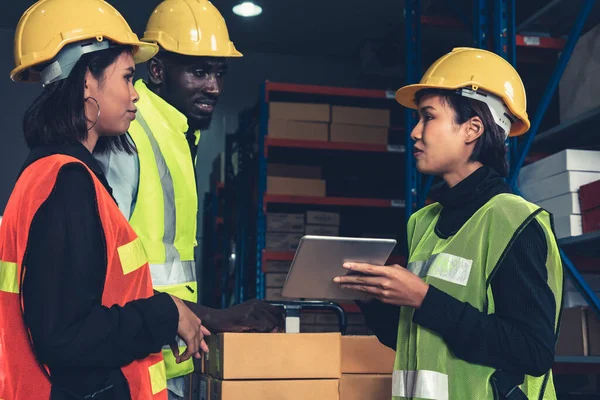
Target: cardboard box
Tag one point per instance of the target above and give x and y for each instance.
(295, 186)
(294, 171)
(591, 220)
(319, 328)
(300, 111)
(321, 389)
(275, 280)
(593, 333)
(283, 241)
(568, 226)
(362, 387)
(574, 298)
(274, 294)
(561, 206)
(589, 196)
(288, 223)
(277, 266)
(579, 333)
(358, 134)
(566, 160)
(573, 337)
(274, 356)
(322, 218)
(298, 130)
(579, 86)
(366, 355)
(566, 182)
(322, 230)
(360, 116)
(204, 387)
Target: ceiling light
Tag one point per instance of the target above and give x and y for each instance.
(247, 9)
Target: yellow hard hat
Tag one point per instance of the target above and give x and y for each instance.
(476, 70)
(190, 27)
(50, 25)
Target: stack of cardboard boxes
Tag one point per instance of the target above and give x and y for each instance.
(359, 125)
(579, 333)
(284, 232)
(553, 183)
(316, 322)
(322, 122)
(296, 367)
(295, 180)
(367, 368)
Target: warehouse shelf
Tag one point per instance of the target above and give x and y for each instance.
(326, 91)
(576, 365)
(322, 145)
(540, 42)
(332, 201)
(587, 244)
(568, 133)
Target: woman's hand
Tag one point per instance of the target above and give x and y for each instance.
(390, 284)
(191, 331)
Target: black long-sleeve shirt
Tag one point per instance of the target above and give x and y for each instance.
(519, 337)
(83, 343)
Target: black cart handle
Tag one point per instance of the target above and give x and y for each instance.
(292, 310)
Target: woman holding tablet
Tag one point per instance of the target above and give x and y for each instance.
(475, 313)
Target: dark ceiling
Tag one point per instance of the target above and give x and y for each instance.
(335, 28)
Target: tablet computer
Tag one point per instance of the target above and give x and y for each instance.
(319, 259)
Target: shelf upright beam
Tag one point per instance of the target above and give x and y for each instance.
(262, 188)
(412, 24)
(505, 46)
(551, 88)
(480, 24)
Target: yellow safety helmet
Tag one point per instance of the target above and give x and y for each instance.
(190, 27)
(49, 26)
(477, 73)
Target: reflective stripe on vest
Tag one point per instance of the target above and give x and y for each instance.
(461, 266)
(420, 384)
(127, 279)
(173, 272)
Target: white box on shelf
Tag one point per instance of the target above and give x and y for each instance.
(566, 182)
(568, 226)
(566, 160)
(562, 206)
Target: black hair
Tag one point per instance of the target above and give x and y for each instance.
(490, 148)
(57, 115)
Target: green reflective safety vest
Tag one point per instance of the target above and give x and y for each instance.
(165, 212)
(463, 266)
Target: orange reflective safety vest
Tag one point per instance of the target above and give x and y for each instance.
(127, 279)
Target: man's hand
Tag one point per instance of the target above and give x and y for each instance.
(191, 331)
(251, 316)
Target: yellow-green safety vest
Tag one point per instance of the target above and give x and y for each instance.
(462, 266)
(165, 211)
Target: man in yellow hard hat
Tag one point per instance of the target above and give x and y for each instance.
(156, 188)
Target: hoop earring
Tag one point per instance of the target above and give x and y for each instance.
(98, 116)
